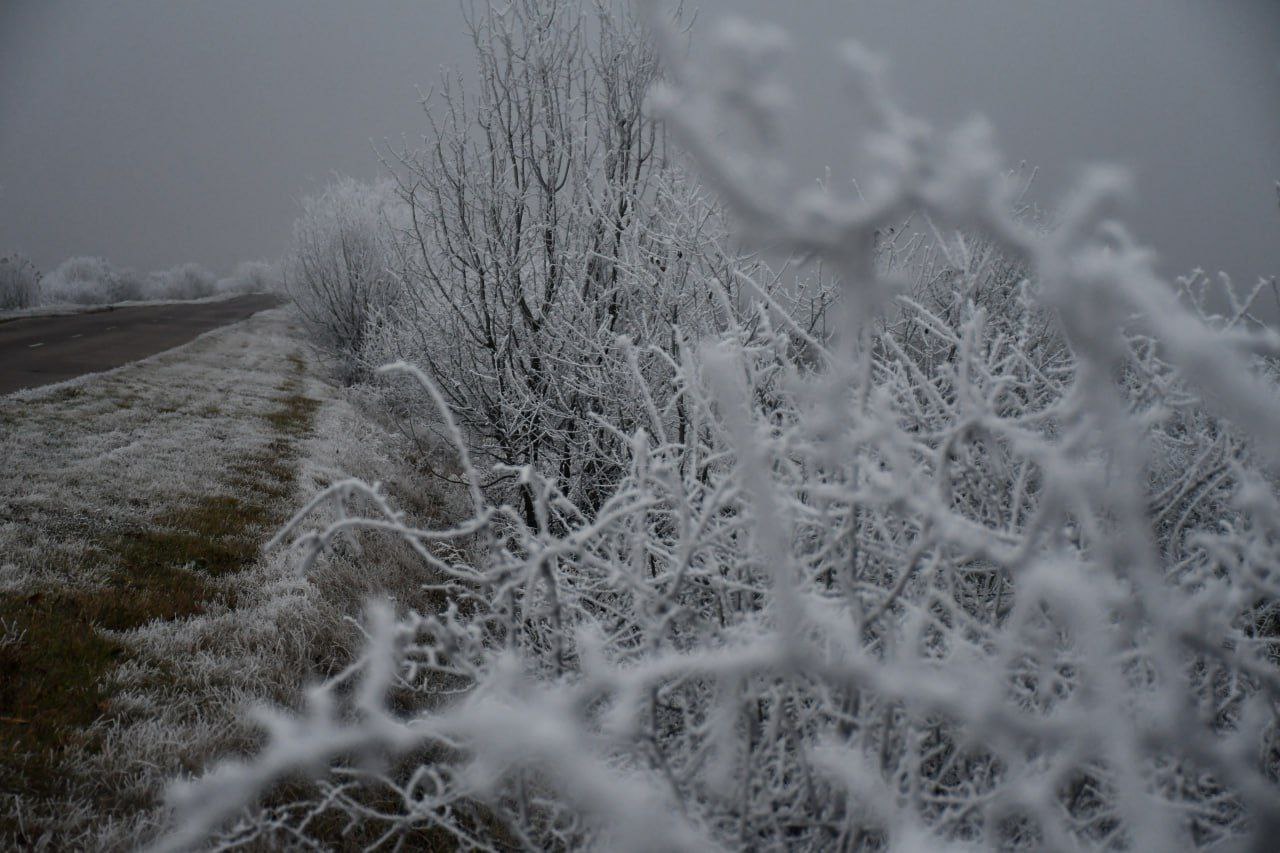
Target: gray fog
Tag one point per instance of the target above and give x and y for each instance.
(156, 131)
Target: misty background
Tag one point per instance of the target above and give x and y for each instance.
(155, 132)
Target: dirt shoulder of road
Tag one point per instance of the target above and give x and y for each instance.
(139, 617)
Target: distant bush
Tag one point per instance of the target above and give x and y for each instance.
(250, 277)
(85, 280)
(91, 280)
(19, 282)
(127, 286)
(185, 281)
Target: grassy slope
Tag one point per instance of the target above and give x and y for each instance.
(133, 502)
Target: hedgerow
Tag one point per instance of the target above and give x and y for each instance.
(982, 552)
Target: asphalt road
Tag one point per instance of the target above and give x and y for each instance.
(37, 351)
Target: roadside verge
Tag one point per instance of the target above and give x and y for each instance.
(138, 616)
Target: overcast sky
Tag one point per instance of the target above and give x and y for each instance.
(160, 131)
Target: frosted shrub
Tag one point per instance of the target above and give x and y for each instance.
(95, 281)
(993, 563)
(19, 282)
(339, 270)
(250, 277)
(128, 286)
(184, 281)
(79, 281)
(555, 259)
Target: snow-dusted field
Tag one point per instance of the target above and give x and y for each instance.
(140, 614)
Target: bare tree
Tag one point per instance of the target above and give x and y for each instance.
(19, 282)
(338, 272)
(548, 225)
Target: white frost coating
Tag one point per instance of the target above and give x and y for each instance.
(994, 563)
